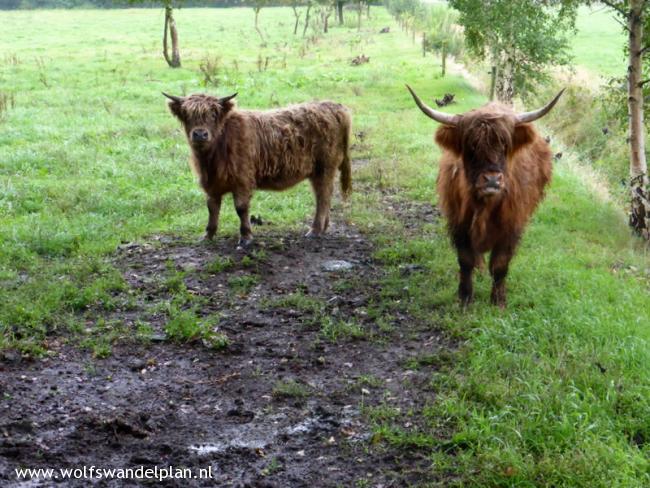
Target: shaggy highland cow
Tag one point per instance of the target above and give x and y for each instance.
(239, 151)
(493, 171)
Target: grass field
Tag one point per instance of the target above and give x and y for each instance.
(598, 45)
(554, 391)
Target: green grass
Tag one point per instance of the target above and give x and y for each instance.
(598, 45)
(289, 389)
(220, 264)
(553, 391)
(242, 284)
(334, 329)
(299, 301)
(186, 326)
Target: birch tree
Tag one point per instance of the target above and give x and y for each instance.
(633, 15)
(170, 32)
(521, 38)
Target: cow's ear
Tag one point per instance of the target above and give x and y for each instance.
(227, 103)
(524, 134)
(174, 105)
(175, 109)
(448, 138)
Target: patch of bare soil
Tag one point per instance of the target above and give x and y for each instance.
(284, 405)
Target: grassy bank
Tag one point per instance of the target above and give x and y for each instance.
(551, 392)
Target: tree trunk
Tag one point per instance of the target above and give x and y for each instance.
(304, 31)
(257, 14)
(174, 60)
(505, 83)
(443, 54)
(505, 88)
(493, 80)
(640, 208)
(339, 10)
(359, 15)
(297, 15)
(326, 18)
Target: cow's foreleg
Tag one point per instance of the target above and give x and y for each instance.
(214, 206)
(323, 186)
(467, 259)
(499, 263)
(242, 204)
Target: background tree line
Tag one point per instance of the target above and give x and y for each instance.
(30, 4)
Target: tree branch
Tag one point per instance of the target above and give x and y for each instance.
(641, 83)
(623, 24)
(615, 7)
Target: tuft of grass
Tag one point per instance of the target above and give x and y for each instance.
(370, 380)
(242, 284)
(272, 467)
(334, 329)
(299, 301)
(440, 359)
(175, 280)
(219, 265)
(186, 326)
(290, 389)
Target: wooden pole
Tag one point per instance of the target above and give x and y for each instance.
(493, 81)
(444, 58)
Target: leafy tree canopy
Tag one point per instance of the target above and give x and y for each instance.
(523, 36)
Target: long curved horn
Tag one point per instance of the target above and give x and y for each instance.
(540, 112)
(441, 117)
(225, 99)
(173, 98)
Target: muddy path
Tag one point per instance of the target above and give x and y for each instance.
(312, 348)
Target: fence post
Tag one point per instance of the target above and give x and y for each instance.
(444, 58)
(493, 81)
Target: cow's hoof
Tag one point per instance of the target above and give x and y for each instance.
(498, 297)
(208, 236)
(312, 234)
(244, 244)
(499, 302)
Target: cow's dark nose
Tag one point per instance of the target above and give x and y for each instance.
(493, 180)
(199, 135)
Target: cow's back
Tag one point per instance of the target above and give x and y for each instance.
(294, 142)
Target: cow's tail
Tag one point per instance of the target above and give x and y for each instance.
(346, 165)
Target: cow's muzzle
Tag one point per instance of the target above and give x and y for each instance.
(491, 183)
(199, 135)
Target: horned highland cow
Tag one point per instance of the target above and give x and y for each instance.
(493, 172)
(238, 151)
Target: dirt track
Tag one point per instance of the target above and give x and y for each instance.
(281, 406)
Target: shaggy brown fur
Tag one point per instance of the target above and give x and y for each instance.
(238, 151)
(492, 177)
